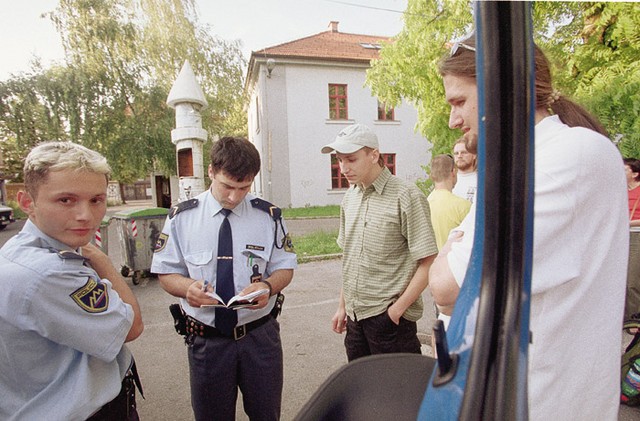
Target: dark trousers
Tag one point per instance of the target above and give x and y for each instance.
(122, 407)
(380, 335)
(218, 366)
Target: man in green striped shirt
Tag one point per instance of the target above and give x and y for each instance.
(388, 245)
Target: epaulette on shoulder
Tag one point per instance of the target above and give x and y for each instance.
(183, 206)
(68, 255)
(274, 211)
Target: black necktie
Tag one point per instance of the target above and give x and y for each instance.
(226, 319)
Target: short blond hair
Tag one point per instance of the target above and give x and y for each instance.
(58, 156)
(441, 167)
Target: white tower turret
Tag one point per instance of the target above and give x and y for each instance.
(187, 98)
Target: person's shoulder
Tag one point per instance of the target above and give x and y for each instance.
(397, 182)
(405, 188)
(459, 203)
(183, 206)
(438, 194)
(458, 199)
(30, 258)
(587, 146)
(554, 127)
(267, 207)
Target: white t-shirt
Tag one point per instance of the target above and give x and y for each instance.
(578, 275)
(466, 186)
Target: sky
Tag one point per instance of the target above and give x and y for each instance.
(257, 23)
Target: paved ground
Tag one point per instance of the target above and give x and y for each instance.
(311, 350)
(300, 227)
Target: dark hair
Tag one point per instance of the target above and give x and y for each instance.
(236, 156)
(463, 64)
(634, 164)
(441, 167)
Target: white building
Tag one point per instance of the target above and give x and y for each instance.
(302, 93)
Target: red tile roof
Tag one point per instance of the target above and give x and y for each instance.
(328, 45)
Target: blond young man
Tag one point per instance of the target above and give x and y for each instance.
(388, 246)
(447, 209)
(65, 311)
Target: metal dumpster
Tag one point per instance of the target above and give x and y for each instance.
(101, 237)
(138, 231)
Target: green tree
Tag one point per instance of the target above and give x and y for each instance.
(597, 54)
(408, 68)
(12, 159)
(594, 47)
(121, 59)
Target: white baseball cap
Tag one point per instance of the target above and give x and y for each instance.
(351, 139)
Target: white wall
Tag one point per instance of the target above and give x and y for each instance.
(297, 104)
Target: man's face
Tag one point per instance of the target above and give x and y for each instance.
(462, 95)
(69, 205)
(465, 161)
(228, 191)
(359, 167)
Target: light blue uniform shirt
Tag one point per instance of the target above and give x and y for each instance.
(189, 247)
(62, 332)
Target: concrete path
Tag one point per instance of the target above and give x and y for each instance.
(298, 227)
(312, 352)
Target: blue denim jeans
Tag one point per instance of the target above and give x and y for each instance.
(380, 335)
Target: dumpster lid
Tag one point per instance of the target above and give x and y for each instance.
(140, 213)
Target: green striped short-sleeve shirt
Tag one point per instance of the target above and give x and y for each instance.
(384, 231)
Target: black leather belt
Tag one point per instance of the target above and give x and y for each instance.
(196, 327)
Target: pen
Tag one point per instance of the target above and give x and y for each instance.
(205, 283)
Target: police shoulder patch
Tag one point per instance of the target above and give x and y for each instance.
(265, 206)
(161, 243)
(92, 297)
(288, 244)
(182, 206)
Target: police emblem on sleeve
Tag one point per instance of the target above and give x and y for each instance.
(288, 244)
(92, 297)
(161, 243)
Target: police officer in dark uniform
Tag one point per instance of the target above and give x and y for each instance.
(233, 348)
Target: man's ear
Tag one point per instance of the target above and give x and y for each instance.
(25, 201)
(375, 155)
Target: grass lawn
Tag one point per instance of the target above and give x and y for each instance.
(318, 243)
(311, 212)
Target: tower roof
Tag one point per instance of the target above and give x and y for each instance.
(186, 88)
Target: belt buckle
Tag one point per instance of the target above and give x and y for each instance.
(239, 332)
